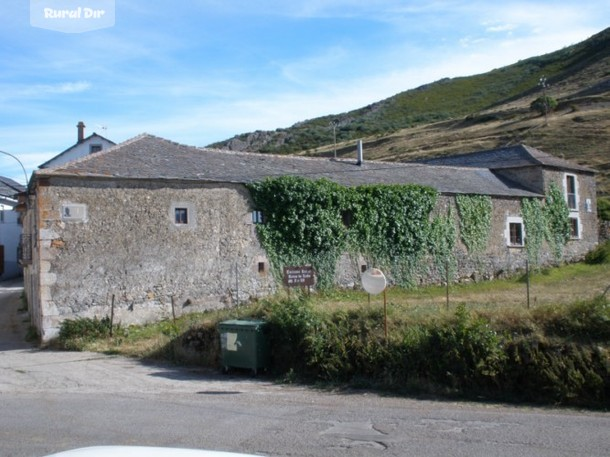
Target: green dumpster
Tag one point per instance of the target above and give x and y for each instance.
(244, 344)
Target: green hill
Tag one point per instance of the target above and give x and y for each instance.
(470, 113)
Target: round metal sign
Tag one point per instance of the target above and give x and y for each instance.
(373, 281)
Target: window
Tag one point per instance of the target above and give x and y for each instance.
(95, 148)
(347, 218)
(515, 233)
(181, 216)
(261, 267)
(571, 192)
(257, 217)
(574, 228)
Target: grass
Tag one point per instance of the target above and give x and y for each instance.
(503, 301)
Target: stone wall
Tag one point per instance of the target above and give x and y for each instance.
(101, 241)
(126, 244)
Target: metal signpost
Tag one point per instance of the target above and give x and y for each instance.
(374, 282)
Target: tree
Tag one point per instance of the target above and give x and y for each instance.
(544, 104)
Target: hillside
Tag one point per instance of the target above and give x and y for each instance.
(472, 113)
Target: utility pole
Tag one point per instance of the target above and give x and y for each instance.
(542, 83)
(334, 123)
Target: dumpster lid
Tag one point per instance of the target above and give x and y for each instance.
(243, 322)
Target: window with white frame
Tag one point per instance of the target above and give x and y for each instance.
(515, 232)
(257, 217)
(574, 227)
(571, 191)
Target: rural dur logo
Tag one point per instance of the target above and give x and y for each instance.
(72, 16)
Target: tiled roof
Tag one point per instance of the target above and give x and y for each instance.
(150, 157)
(10, 188)
(508, 157)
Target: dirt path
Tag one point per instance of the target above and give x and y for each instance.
(13, 322)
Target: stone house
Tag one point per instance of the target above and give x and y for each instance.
(158, 228)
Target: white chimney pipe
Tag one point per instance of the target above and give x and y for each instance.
(360, 158)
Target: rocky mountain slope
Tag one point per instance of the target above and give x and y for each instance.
(472, 113)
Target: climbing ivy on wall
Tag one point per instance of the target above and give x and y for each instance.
(550, 222)
(313, 222)
(302, 223)
(475, 221)
(557, 217)
(536, 229)
(442, 240)
(391, 226)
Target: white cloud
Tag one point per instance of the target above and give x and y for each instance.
(20, 91)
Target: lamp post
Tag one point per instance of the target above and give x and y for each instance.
(22, 167)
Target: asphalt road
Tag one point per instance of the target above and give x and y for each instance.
(52, 401)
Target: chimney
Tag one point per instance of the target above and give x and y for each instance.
(360, 159)
(81, 131)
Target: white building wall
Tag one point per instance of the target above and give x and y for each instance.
(10, 231)
(78, 151)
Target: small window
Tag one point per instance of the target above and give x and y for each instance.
(95, 148)
(257, 217)
(571, 194)
(347, 218)
(515, 233)
(181, 216)
(261, 267)
(574, 228)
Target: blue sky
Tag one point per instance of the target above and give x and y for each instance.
(201, 71)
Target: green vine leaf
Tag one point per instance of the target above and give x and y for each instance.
(475, 221)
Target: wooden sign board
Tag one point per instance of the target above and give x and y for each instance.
(303, 276)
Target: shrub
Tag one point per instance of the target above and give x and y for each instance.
(603, 208)
(465, 355)
(74, 333)
(601, 254)
(544, 104)
(290, 322)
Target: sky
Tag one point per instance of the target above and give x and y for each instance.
(201, 71)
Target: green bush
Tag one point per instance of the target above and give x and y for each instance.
(543, 371)
(544, 104)
(464, 355)
(601, 254)
(74, 333)
(562, 359)
(587, 321)
(603, 208)
(290, 322)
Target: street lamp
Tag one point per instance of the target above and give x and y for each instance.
(22, 167)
